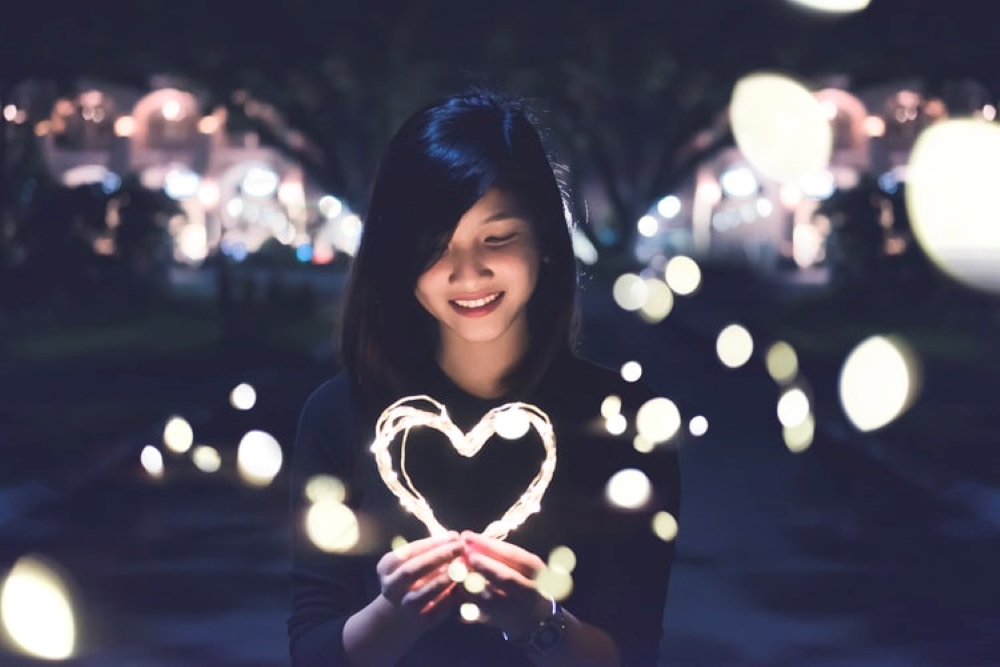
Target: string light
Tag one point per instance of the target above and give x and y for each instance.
(407, 413)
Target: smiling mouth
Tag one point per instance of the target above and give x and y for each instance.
(477, 306)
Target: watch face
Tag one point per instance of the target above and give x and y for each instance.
(548, 637)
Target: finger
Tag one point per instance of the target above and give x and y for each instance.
(522, 560)
(418, 567)
(394, 558)
(500, 575)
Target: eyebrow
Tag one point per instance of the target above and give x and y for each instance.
(502, 215)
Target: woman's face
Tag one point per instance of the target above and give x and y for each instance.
(478, 290)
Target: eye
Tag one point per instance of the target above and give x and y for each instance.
(500, 240)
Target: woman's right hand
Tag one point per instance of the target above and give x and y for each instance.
(415, 581)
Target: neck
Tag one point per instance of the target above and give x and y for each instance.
(479, 368)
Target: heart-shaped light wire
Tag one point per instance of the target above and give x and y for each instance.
(404, 414)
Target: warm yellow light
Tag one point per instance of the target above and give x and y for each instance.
(125, 126)
(209, 124)
(799, 437)
(611, 406)
(325, 487)
(878, 382)
(206, 458)
(554, 584)
(631, 371)
(474, 583)
(458, 570)
(258, 458)
(953, 199)
(665, 526)
(874, 126)
(833, 6)
(658, 420)
(332, 526)
(37, 610)
(630, 291)
(243, 396)
(469, 611)
(659, 301)
(562, 558)
(683, 275)
(793, 407)
(152, 461)
(616, 424)
(178, 435)
(698, 426)
(780, 127)
(629, 489)
(782, 362)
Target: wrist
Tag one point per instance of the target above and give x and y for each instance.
(546, 635)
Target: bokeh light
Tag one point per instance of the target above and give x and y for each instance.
(616, 424)
(458, 570)
(780, 127)
(631, 371)
(37, 609)
(659, 301)
(665, 526)
(782, 362)
(258, 458)
(953, 199)
(474, 583)
(562, 558)
(799, 437)
(658, 420)
(326, 487)
(698, 426)
(630, 291)
(879, 380)
(152, 461)
(554, 583)
(178, 436)
(683, 275)
(643, 445)
(469, 611)
(243, 396)
(512, 423)
(628, 489)
(206, 458)
(332, 526)
(734, 346)
(611, 406)
(793, 407)
(833, 6)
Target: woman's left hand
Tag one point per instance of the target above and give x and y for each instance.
(511, 600)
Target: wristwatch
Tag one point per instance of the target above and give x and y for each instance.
(546, 637)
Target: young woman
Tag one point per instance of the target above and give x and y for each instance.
(464, 290)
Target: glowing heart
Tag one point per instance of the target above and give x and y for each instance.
(511, 421)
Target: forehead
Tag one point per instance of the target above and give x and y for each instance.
(494, 206)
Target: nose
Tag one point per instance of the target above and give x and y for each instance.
(467, 266)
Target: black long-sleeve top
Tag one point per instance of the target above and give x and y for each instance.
(620, 579)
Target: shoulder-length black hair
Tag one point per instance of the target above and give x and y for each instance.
(441, 161)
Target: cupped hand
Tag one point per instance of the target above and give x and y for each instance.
(414, 578)
(511, 600)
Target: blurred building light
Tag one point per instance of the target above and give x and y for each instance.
(43, 128)
(10, 112)
(669, 207)
(125, 126)
(874, 126)
(790, 196)
(833, 6)
(709, 191)
(330, 206)
(764, 207)
(291, 193)
(87, 174)
(648, 226)
(181, 184)
(989, 112)
(192, 243)
(64, 107)
(818, 185)
(172, 110)
(259, 182)
(208, 194)
(739, 182)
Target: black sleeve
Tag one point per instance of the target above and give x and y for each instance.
(325, 588)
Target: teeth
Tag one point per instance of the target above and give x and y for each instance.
(478, 303)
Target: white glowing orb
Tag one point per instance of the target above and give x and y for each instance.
(954, 202)
(611, 406)
(192, 243)
(793, 407)
(782, 362)
(734, 346)
(458, 570)
(562, 558)
(469, 611)
(659, 301)
(631, 371)
(669, 206)
(206, 458)
(325, 487)
(798, 438)
(833, 6)
(474, 583)
(178, 436)
(780, 127)
(554, 584)
(629, 489)
(878, 382)
(330, 206)
(332, 526)
(512, 423)
(642, 444)
(630, 291)
(683, 275)
(398, 542)
(616, 424)
(665, 526)
(658, 420)
(243, 396)
(152, 461)
(698, 426)
(37, 610)
(258, 458)
(648, 226)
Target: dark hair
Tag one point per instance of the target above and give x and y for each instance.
(441, 161)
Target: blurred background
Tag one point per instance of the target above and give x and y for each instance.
(786, 221)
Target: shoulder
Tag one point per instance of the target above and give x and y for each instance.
(589, 380)
(331, 399)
